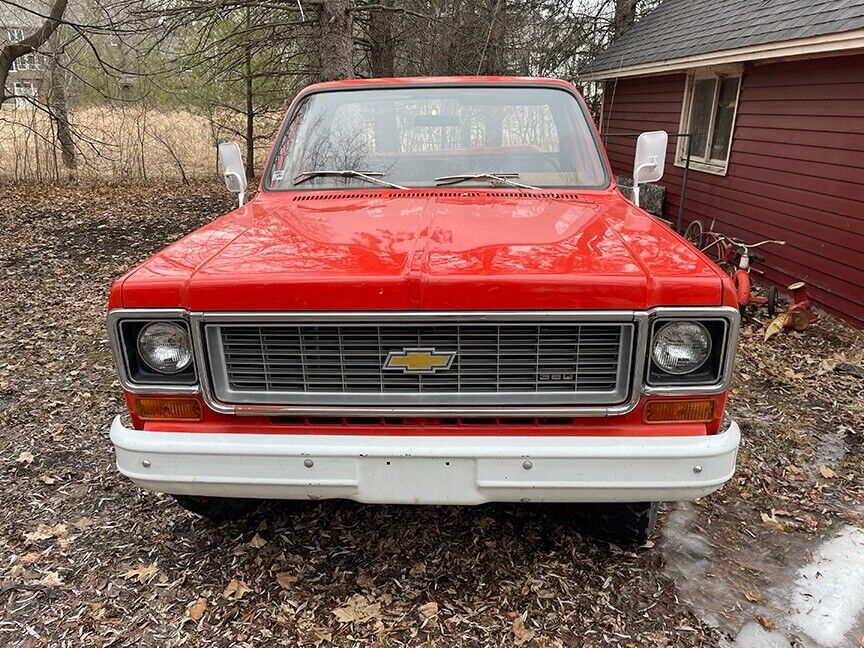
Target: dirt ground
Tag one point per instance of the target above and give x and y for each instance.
(88, 558)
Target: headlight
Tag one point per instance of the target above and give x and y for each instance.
(681, 347)
(165, 347)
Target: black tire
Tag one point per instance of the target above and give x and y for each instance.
(625, 524)
(772, 300)
(218, 509)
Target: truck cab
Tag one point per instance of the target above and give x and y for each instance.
(438, 295)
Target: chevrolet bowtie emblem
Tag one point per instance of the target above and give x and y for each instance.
(419, 361)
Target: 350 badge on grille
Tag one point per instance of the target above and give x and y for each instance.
(419, 361)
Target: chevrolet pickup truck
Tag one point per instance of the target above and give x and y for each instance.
(438, 295)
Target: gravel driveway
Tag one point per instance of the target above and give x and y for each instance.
(89, 559)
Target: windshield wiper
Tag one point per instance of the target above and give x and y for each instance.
(494, 178)
(368, 176)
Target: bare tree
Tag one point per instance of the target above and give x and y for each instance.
(30, 44)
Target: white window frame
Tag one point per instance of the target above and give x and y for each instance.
(29, 61)
(715, 166)
(25, 93)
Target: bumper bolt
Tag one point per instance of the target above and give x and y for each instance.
(527, 465)
(145, 463)
(308, 463)
(697, 469)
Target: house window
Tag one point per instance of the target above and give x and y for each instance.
(28, 61)
(710, 101)
(25, 94)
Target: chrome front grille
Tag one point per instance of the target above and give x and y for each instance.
(495, 363)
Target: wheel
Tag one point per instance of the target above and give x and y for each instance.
(625, 524)
(742, 286)
(772, 300)
(217, 509)
(695, 233)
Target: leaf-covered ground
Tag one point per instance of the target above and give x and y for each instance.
(87, 558)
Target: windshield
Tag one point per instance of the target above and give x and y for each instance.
(408, 137)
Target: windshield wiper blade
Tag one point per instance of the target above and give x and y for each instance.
(368, 176)
(494, 178)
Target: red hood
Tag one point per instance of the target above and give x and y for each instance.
(427, 250)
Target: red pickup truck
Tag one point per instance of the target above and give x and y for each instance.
(438, 295)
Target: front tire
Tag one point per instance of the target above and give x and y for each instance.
(217, 509)
(625, 523)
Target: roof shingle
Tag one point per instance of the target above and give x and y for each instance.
(681, 28)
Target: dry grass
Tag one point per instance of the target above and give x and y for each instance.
(114, 142)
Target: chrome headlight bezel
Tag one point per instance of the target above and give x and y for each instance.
(714, 371)
(136, 376)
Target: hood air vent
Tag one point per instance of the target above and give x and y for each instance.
(367, 195)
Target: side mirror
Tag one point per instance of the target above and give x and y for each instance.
(232, 169)
(650, 159)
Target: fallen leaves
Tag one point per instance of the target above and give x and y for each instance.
(51, 579)
(45, 532)
(766, 623)
(143, 573)
(754, 597)
(286, 581)
(772, 522)
(775, 326)
(826, 472)
(794, 473)
(429, 609)
(197, 609)
(236, 590)
(358, 609)
(25, 457)
(522, 634)
(82, 523)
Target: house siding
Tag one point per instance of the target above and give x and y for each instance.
(796, 168)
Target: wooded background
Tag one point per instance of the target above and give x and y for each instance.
(145, 89)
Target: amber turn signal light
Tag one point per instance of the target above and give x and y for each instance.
(160, 409)
(679, 411)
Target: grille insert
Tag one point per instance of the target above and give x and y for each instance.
(495, 363)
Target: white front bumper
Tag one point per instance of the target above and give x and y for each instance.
(428, 469)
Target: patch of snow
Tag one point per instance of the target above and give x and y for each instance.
(828, 594)
(815, 604)
(754, 635)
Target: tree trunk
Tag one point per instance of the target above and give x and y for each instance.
(250, 106)
(336, 41)
(250, 118)
(492, 56)
(625, 16)
(60, 115)
(382, 53)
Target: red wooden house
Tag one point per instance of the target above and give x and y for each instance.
(772, 93)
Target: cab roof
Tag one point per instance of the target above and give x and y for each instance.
(437, 81)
